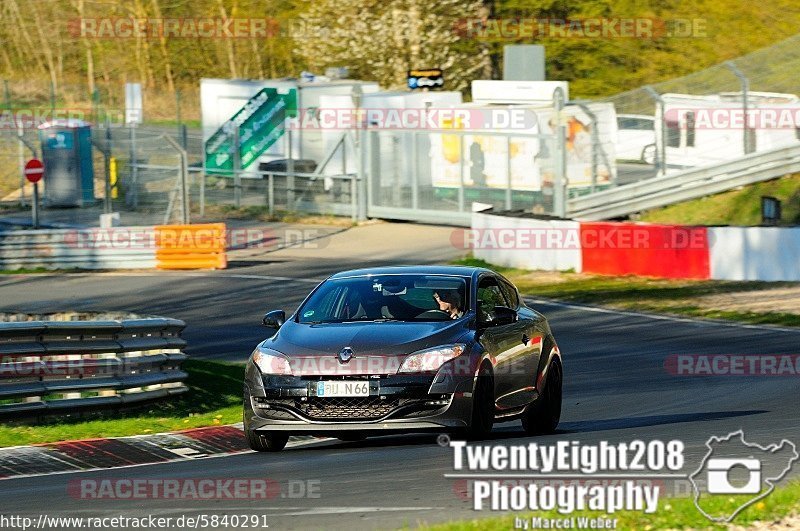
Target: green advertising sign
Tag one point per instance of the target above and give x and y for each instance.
(260, 124)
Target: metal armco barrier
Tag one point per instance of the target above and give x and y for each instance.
(685, 185)
(57, 366)
(162, 247)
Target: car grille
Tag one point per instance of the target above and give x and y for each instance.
(350, 408)
(343, 409)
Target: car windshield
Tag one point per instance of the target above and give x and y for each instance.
(387, 298)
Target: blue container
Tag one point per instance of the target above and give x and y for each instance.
(68, 168)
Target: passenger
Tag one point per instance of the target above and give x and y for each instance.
(450, 302)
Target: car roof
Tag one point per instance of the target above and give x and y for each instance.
(460, 271)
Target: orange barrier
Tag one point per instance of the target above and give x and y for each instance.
(199, 246)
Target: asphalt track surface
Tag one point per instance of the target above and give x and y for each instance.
(616, 389)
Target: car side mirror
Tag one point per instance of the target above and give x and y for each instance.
(274, 319)
(500, 315)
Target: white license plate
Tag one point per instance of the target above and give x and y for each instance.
(343, 388)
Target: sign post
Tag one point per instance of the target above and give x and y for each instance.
(34, 171)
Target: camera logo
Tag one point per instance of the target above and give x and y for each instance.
(736, 474)
(719, 471)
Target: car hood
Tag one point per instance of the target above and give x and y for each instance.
(377, 348)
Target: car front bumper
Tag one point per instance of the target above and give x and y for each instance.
(398, 403)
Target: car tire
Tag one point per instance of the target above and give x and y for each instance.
(543, 416)
(482, 406)
(268, 442)
(649, 154)
(263, 442)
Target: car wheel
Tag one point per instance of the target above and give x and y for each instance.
(482, 406)
(543, 415)
(263, 442)
(649, 154)
(269, 442)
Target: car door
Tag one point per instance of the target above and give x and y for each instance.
(503, 342)
(530, 333)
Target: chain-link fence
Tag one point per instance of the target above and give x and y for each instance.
(714, 115)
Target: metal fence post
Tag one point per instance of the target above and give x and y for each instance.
(560, 177)
(748, 137)
(184, 177)
(184, 137)
(107, 153)
(461, 173)
(271, 194)
(34, 152)
(237, 170)
(597, 147)
(52, 98)
(21, 161)
(134, 169)
(661, 154)
(178, 112)
(414, 171)
(508, 173)
(289, 171)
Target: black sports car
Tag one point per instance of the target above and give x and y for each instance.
(420, 348)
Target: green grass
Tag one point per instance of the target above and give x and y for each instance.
(214, 397)
(672, 513)
(735, 207)
(669, 296)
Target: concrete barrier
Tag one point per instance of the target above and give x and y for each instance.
(611, 248)
(755, 253)
(525, 243)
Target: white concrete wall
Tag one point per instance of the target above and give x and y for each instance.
(754, 253)
(547, 258)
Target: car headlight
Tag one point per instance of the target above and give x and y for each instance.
(271, 361)
(431, 359)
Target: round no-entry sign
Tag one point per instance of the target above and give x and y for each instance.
(34, 170)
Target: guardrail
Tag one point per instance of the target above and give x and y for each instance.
(57, 366)
(200, 246)
(685, 185)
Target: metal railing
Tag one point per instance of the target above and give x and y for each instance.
(57, 366)
(75, 249)
(685, 185)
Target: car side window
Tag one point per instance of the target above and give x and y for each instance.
(510, 294)
(489, 296)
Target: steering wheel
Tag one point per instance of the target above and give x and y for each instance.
(433, 314)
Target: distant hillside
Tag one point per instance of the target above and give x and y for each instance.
(736, 207)
(52, 41)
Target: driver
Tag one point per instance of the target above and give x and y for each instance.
(449, 302)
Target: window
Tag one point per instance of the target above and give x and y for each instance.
(510, 294)
(636, 124)
(385, 297)
(489, 296)
(690, 124)
(673, 131)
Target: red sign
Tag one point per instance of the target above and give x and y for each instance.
(34, 170)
